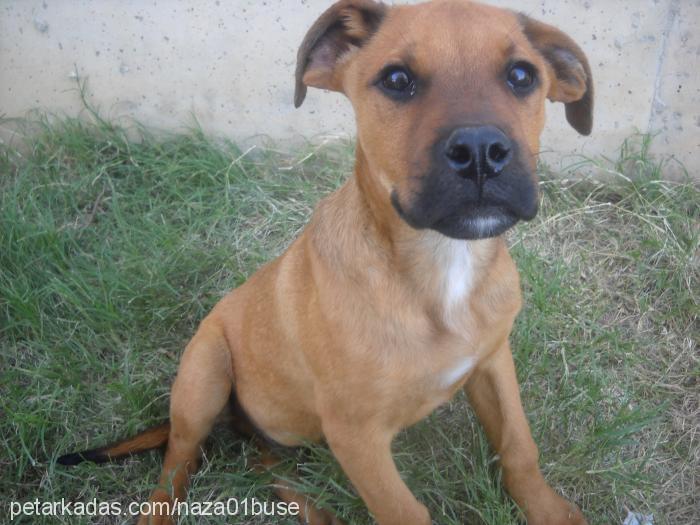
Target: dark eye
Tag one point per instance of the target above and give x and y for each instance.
(397, 82)
(521, 78)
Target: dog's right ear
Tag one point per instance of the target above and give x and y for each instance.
(344, 27)
(573, 82)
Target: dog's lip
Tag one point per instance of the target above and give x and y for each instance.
(479, 222)
(507, 209)
(480, 212)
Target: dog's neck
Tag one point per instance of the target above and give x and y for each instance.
(369, 236)
(374, 190)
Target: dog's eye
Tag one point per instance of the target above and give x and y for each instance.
(397, 82)
(521, 77)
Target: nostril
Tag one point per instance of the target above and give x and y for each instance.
(498, 153)
(460, 155)
(477, 152)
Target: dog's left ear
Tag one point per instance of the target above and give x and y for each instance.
(345, 26)
(572, 80)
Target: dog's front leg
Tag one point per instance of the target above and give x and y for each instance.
(495, 396)
(364, 452)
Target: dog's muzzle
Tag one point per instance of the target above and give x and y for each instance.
(478, 186)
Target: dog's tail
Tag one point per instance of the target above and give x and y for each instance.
(151, 438)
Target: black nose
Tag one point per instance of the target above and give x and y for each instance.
(478, 152)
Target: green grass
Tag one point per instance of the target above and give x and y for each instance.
(112, 249)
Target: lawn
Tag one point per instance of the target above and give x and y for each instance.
(113, 245)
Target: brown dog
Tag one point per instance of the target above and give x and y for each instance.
(400, 291)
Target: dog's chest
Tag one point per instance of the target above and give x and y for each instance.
(449, 274)
(454, 372)
(455, 353)
(433, 378)
(455, 266)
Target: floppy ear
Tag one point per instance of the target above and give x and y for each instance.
(572, 82)
(346, 25)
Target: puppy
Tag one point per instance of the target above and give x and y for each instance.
(400, 291)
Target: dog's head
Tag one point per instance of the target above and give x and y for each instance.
(449, 98)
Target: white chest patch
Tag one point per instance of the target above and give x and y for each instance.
(452, 375)
(455, 258)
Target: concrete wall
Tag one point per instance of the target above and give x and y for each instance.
(230, 63)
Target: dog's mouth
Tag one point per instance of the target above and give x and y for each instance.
(479, 221)
(462, 208)
(469, 221)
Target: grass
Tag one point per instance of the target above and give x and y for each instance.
(112, 249)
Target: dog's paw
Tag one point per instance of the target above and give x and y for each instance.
(318, 516)
(149, 519)
(160, 506)
(555, 510)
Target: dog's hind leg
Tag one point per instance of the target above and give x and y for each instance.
(309, 513)
(268, 458)
(199, 394)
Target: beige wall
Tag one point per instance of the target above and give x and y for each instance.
(230, 63)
